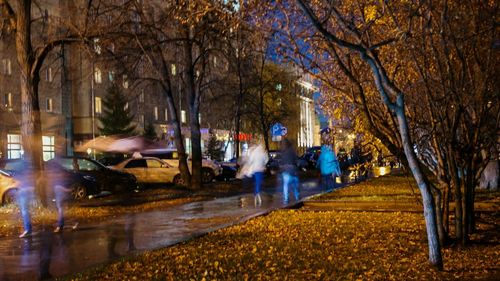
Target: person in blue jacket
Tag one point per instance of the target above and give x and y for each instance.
(329, 167)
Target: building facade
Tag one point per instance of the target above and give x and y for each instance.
(74, 82)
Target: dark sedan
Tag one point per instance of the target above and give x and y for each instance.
(80, 184)
(308, 160)
(106, 179)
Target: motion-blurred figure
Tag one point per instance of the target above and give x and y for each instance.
(254, 165)
(61, 193)
(329, 167)
(288, 167)
(25, 194)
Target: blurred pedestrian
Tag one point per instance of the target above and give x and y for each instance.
(254, 165)
(61, 193)
(329, 167)
(288, 167)
(25, 195)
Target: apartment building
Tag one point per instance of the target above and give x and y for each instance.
(74, 82)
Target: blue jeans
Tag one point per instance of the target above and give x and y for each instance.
(24, 197)
(290, 179)
(60, 212)
(61, 197)
(328, 182)
(258, 177)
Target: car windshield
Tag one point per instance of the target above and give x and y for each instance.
(87, 165)
(136, 163)
(153, 163)
(80, 164)
(161, 154)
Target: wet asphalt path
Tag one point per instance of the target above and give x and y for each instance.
(47, 255)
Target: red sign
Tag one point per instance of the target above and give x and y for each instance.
(243, 137)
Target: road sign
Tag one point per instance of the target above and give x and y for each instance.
(284, 131)
(276, 130)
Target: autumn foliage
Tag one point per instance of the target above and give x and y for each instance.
(305, 245)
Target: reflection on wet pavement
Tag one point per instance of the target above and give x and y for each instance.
(47, 255)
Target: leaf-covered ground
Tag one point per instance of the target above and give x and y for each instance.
(296, 245)
(382, 186)
(304, 245)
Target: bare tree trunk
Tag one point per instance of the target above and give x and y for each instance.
(237, 136)
(469, 201)
(179, 140)
(435, 257)
(446, 207)
(439, 215)
(459, 235)
(263, 119)
(239, 103)
(194, 108)
(31, 125)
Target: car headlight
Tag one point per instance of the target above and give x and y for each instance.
(89, 178)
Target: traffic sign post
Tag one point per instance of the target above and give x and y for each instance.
(278, 131)
(284, 131)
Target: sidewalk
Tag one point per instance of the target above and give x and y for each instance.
(48, 255)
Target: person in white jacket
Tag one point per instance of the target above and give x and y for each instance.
(254, 165)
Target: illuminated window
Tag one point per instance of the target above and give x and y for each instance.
(48, 147)
(7, 66)
(8, 100)
(98, 105)
(125, 82)
(97, 46)
(48, 74)
(48, 105)
(188, 145)
(173, 68)
(141, 96)
(156, 112)
(279, 87)
(14, 146)
(97, 75)
(166, 114)
(111, 75)
(183, 116)
(141, 120)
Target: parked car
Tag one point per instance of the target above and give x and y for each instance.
(229, 170)
(106, 179)
(8, 188)
(210, 169)
(149, 170)
(109, 160)
(80, 184)
(274, 162)
(308, 160)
